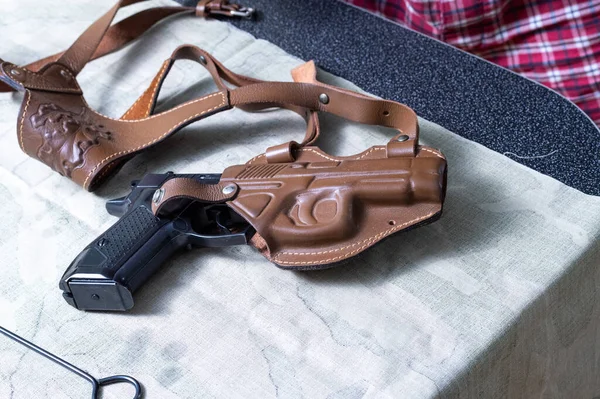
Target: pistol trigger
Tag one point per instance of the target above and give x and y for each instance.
(222, 223)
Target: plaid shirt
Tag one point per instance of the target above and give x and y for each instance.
(554, 42)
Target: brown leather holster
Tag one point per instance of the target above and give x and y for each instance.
(308, 208)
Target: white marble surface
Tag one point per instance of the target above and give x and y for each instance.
(497, 299)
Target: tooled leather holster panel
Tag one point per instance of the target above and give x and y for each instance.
(320, 210)
(66, 137)
(61, 131)
(57, 127)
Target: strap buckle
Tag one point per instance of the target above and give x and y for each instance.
(207, 8)
(243, 12)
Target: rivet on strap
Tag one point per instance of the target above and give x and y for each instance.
(207, 8)
(400, 146)
(183, 189)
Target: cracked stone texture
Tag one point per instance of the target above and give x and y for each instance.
(497, 299)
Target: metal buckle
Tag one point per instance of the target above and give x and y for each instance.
(243, 12)
(226, 9)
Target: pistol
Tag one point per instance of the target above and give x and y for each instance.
(312, 213)
(107, 272)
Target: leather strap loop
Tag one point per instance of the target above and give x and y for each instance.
(399, 146)
(144, 106)
(352, 106)
(281, 153)
(183, 188)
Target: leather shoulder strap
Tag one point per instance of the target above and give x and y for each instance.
(58, 127)
(101, 39)
(83, 49)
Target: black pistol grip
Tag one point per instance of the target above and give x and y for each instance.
(125, 237)
(108, 271)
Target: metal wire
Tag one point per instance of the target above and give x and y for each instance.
(96, 384)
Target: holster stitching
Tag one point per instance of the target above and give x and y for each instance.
(368, 241)
(28, 94)
(155, 87)
(50, 88)
(169, 131)
(222, 94)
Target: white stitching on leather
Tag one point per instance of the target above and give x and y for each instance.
(160, 73)
(155, 88)
(255, 158)
(221, 93)
(342, 159)
(62, 89)
(436, 153)
(368, 242)
(169, 131)
(370, 151)
(318, 153)
(28, 95)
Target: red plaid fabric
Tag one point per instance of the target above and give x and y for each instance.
(554, 42)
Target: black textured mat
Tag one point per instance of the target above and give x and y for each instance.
(469, 96)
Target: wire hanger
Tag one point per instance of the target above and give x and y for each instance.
(96, 384)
